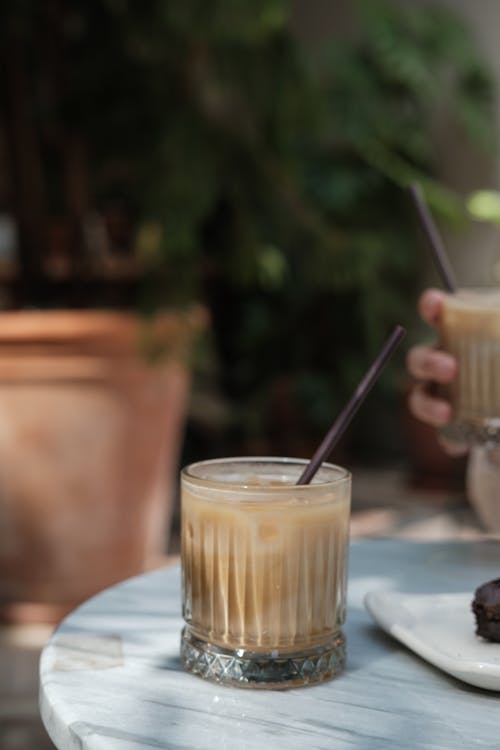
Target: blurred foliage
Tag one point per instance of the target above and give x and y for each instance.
(261, 179)
(484, 205)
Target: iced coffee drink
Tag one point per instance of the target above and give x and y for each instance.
(264, 565)
(470, 331)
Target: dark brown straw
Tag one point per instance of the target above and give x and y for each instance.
(436, 243)
(341, 423)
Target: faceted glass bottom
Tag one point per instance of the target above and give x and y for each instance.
(249, 670)
(474, 432)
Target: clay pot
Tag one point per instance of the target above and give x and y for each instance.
(90, 437)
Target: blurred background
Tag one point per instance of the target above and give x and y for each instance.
(205, 236)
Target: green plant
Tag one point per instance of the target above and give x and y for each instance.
(337, 263)
(248, 175)
(484, 205)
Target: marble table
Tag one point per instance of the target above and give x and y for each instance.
(111, 677)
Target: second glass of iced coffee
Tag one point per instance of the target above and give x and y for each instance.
(470, 331)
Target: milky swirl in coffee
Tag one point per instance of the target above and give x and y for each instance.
(266, 570)
(470, 331)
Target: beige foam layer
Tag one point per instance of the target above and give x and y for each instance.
(472, 311)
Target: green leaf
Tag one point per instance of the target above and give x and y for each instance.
(484, 205)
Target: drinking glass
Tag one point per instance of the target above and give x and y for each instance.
(264, 566)
(470, 331)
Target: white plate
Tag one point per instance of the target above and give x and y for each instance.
(441, 629)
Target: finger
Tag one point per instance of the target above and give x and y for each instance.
(426, 363)
(430, 305)
(433, 411)
(453, 448)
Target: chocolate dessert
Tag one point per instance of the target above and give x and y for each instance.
(486, 608)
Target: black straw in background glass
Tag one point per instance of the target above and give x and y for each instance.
(341, 423)
(436, 243)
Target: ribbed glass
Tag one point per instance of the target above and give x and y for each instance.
(264, 561)
(470, 331)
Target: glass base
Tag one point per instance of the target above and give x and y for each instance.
(473, 431)
(269, 671)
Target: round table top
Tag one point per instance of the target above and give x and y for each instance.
(111, 676)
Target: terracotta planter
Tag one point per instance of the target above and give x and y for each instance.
(90, 435)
